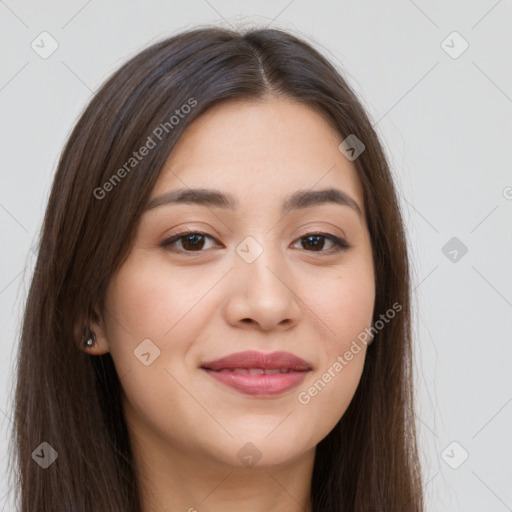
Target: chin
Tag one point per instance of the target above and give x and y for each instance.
(262, 450)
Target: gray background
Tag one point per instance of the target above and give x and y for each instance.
(445, 122)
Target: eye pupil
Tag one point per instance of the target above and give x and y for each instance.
(194, 244)
(318, 241)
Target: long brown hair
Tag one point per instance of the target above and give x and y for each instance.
(71, 400)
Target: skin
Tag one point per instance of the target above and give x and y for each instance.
(186, 428)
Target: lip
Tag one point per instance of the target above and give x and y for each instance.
(245, 372)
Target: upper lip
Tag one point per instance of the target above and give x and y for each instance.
(253, 359)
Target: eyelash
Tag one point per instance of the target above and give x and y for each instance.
(339, 243)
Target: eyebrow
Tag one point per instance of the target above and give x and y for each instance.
(215, 198)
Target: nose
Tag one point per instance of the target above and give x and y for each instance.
(262, 295)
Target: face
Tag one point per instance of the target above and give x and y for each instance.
(288, 279)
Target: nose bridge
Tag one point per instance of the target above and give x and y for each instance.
(261, 291)
(259, 261)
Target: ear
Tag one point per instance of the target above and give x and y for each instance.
(94, 324)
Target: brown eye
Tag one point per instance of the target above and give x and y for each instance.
(190, 241)
(315, 242)
(195, 241)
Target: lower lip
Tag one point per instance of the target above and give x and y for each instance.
(259, 385)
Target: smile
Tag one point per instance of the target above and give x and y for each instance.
(259, 374)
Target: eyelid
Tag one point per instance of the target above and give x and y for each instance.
(340, 244)
(182, 234)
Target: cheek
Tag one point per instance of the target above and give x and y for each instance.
(144, 303)
(326, 395)
(325, 398)
(147, 303)
(344, 301)
(345, 304)
(150, 301)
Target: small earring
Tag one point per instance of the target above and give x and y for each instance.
(90, 342)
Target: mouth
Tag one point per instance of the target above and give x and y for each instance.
(257, 373)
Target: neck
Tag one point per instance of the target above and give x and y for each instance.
(171, 479)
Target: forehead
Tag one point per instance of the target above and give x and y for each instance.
(263, 149)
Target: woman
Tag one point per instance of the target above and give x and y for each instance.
(219, 316)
